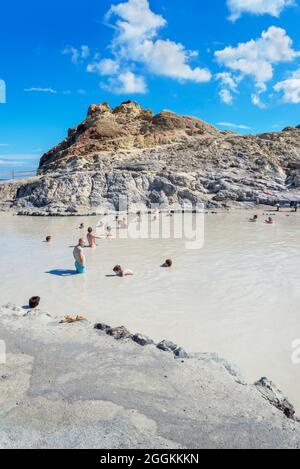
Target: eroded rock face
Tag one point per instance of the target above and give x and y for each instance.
(157, 159)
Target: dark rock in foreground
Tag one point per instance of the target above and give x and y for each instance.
(142, 339)
(102, 327)
(167, 346)
(180, 353)
(118, 332)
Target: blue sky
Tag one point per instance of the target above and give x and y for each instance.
(233, 63)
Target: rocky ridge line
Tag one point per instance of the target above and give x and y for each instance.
(164, 159)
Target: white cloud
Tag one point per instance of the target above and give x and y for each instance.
(226, 96)
(255, 59)
(135, 21)
(257, 56)
(234, 126)
(228, 80)
(229, 86)
(256, 100)
(257, 7)
(169, 59)
(290, 88)
(77, 55)
(40, 90)
(126, 83)
(136, 45)
(104, 67)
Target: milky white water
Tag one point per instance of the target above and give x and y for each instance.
(238, 296)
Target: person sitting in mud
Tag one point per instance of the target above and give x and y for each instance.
(254, 219)
(270, 221)
(120, 272)
(48, 239)
(79, 257)
(168, 263)
(91, 237)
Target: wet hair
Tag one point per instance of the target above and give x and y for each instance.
(48, 239)
(90, 230)
(168, 263)
(117, 269)
(34, 301)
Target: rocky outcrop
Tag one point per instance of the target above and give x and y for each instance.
(162, 159)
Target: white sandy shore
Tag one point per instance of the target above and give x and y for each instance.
(70, 386)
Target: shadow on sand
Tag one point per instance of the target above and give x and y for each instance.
(62, 272)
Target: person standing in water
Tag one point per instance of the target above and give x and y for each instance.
(91, 237)
(79, 257)
(108, 232)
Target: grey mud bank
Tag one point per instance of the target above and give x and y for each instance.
(73, 386)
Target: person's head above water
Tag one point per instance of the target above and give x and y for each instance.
(168, 263)
(48, 239)
(90, 230)
(34, 302)
(118, 270)
(81, 242)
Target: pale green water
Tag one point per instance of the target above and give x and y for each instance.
(238, 296)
